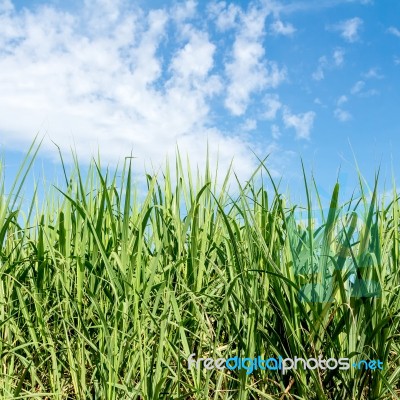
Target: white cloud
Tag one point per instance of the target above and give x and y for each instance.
(369, 93)
(338, 57)
(225, 16)
(6, 6)
(195, 59)
(249, 125)
(349, 29)
(342, 99)
(357, 87)
(396, 60)
(373, 73)
(276, 132)
(249, 71)
(184, 11)
(107, 86)
(101, 15)
(342, 115)
(394, 31)
(318, 74)
(325, 64)
(272, 106)
(148, 65)
(318, 101)
(302, 123)
(279, 28)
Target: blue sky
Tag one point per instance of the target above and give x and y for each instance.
(310, 79)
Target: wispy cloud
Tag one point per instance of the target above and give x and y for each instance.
(318, 74)
(272, 106)
(342, 100)
(394, 31)
(342, 115)
(279, 28)
(338, 57)
(296, 6)
(339, 113)
(373, 73)
(249, 124)
(302, 123)
(276, 132)
(349, 29)
(324, 64)
(357, 87)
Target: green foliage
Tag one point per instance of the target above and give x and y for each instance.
(104, 296)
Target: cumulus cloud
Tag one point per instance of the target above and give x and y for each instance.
(302, 123)
(226, 16)
(98, 79)
(184, 11)
(248, 71)
(349, 29)
(279, 28)
(195, 60)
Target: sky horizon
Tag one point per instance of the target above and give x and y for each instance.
(310, 80)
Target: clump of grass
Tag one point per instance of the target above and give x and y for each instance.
(104, 295)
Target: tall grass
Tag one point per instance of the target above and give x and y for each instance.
(104, 294)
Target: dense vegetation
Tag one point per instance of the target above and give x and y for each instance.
(104, 293)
